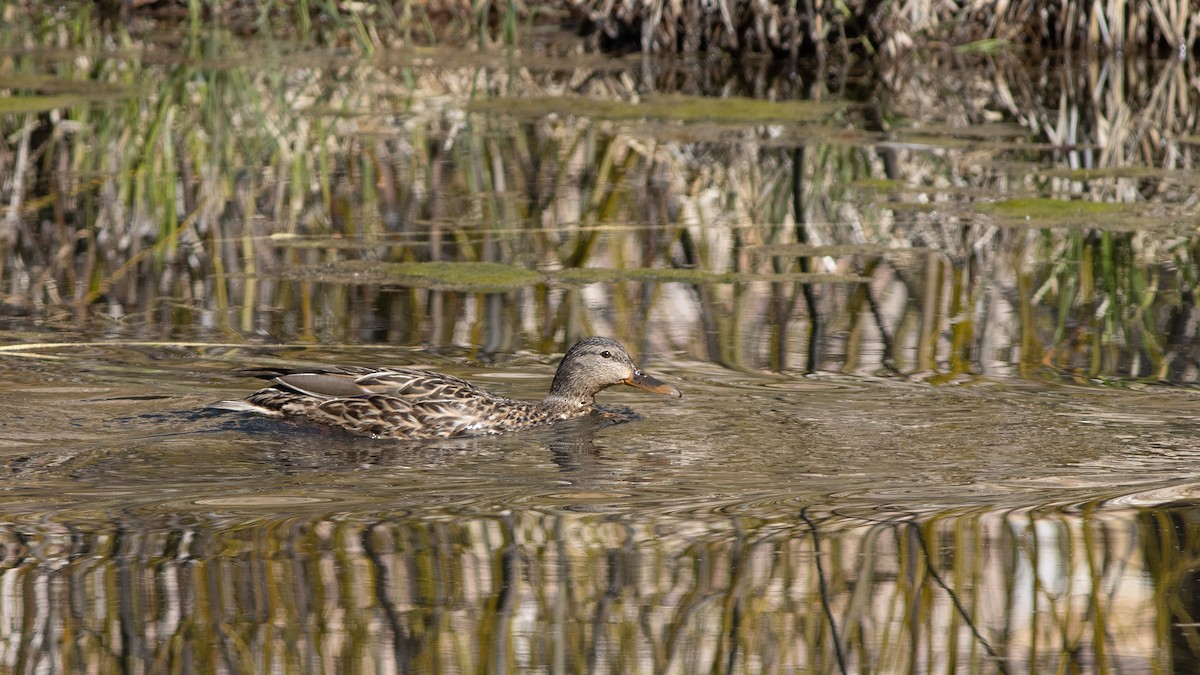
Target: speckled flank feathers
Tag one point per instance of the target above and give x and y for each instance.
(418, 404)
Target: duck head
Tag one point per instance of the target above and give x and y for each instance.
(595, 364)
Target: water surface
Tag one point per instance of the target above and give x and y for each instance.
(761, 523)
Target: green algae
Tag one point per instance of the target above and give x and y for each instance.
(52, 93)
(495, 277)
(332, 243)
(677, 108)
(593, 275)
(1113, 172)
(838, 250)
(880, 185)
(1045, 207)
(35, 104)
(993, 130)
(50, 84)
(472, 276)
(1049, 212)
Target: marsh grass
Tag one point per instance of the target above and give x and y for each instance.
(314, 195)
(844, 30)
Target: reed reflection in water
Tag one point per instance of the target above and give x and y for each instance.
(525, 590)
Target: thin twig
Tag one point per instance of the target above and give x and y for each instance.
(824, 591)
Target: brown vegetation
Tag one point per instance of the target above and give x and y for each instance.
(817, 27)
(701, 27)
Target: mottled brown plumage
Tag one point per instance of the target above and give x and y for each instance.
(417, 404)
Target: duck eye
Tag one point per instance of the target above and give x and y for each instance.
(606, 354)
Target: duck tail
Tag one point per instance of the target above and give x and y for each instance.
(243, 406)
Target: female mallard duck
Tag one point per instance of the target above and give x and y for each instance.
(416, 404)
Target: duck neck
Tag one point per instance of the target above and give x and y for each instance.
(572, 402)
(568, 394)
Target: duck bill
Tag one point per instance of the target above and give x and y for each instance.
(643, 381)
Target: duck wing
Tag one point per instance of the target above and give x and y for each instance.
(395, 402)
(380, 415)
(409, 384)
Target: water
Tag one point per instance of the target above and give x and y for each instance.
(762, 523)
(938, 410)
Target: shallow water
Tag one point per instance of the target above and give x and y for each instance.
(760, 524)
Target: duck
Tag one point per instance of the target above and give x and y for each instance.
(408, 403)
